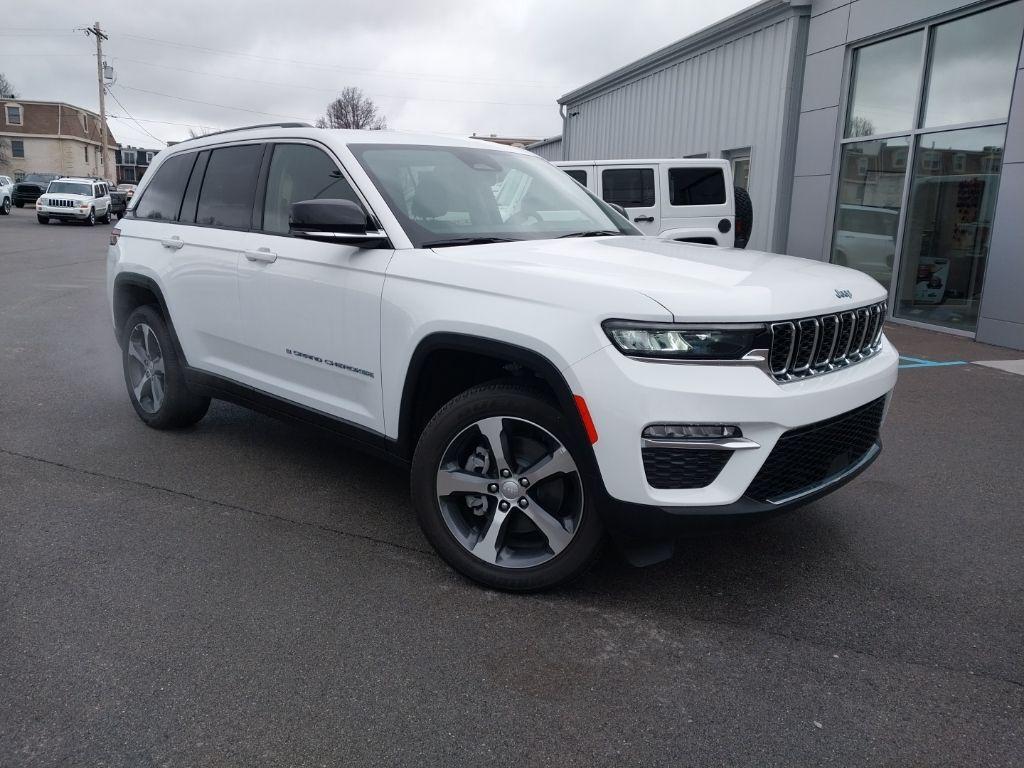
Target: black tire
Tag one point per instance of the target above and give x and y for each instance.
(744, 217)
(19, 205)
(5, 206)
(90, 220)
(178, 407)
(514, 402)
(106, 217)
(42, 219)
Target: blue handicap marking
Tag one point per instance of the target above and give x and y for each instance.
(916, 362)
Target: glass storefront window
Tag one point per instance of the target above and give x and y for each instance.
(973, 63)
(949, 221)
(871, 177)
(886, 80)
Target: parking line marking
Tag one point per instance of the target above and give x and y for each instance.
(917, 362)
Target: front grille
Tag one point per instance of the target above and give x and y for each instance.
(804, 458)
(55, 203)
(683, 467)
(813, 345)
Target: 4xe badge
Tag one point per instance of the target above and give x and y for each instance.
(843, 293)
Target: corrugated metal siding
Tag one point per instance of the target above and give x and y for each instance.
(549, 150)
(727, 97)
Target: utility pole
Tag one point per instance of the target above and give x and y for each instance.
(98, 33)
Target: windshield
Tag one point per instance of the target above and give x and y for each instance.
(125, 187)
(68, 188)
(450, 195)
(39, 177)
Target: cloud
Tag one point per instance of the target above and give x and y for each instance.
(445, 66)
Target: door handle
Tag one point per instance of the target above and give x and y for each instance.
(648, 219)
(174, 243)
(264, 255)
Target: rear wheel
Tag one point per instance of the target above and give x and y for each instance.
(154, 375)
(19, 205)
(106, 217)
(5, 206)
(498, 491)
(90, 220)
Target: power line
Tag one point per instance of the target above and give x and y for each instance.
(332, 90)
(140, 125)
(161, 122)
(213, 104)
(336, 68)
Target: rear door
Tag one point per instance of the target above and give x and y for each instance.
(635, 188)
(698, 203)
(311, 310)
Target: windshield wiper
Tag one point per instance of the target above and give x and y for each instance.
(468, 241)
(592, 233)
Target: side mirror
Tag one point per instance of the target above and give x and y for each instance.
(333, 221)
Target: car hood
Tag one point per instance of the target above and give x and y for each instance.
(693, 282)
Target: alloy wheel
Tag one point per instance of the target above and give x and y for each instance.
(509, 492)
(146, 368)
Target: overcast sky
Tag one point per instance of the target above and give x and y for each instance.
(445, 66)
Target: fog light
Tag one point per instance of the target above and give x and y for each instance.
(690, 431)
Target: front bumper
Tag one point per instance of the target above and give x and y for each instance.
(625, 395)
(69, 214)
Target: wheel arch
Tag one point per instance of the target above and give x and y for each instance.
(131, 291)
(434, 348)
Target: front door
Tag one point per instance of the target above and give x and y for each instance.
(311, 310)
(635, 188)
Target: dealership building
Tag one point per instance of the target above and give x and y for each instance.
(885, 135)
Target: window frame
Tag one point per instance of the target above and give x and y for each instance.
(260, 189)
(21, 115)
(912, 134)
(14, 152)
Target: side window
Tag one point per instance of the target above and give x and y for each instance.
(228, 187)
(300, 172)
(578, 174)
(696, 186)
(188, 207)
(162, 199)
(628, 187)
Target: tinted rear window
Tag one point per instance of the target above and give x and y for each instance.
(162, 198)
(696, 186)
(580, 176)
(628, 187)
(229, 186)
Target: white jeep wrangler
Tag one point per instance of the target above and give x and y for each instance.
(74, 199)
(553, 377)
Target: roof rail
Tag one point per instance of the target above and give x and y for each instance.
(250, 127)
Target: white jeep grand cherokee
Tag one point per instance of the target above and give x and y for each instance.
(552, 376)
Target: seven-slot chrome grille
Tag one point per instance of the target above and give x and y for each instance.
(55, 202)
(813, 345)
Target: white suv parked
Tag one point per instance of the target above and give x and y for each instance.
(552, 376)
(74, 199)
(6, 194)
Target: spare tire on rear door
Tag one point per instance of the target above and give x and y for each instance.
(744, 217)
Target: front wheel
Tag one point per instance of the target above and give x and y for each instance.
(5, 206)
(498, 491)
(42, 219)
(19, 205)
(154, 376)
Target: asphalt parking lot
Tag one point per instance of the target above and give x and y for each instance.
(250, 592)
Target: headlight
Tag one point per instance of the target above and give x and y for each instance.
(687, 341)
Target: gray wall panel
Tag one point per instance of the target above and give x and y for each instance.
(1014, 152)
(872, 17)
(1001, 333)
(824, 6)
(828, 30)
(823, 79)
(1004, 274)
(730, 96)
(816, 142)
(807, 215)
(551, 150)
